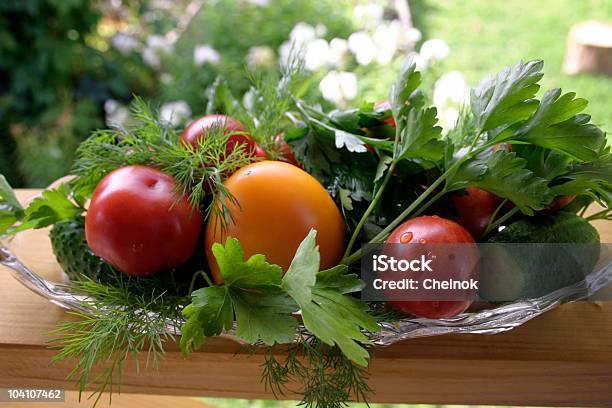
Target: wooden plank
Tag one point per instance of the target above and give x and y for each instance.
(124, 401)
(561, 358)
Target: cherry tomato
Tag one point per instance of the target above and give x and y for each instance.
(285, 151)
(197, 130)
(385, 105)
(558, 204)
(505, 146)
(135, 222)
(259, 152)
(435, 230)
(278, 204)
(475, 209)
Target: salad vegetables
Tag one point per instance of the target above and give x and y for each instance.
(252, 218)
(277, 204)
(130, 210)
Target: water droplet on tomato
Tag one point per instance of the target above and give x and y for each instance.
(406, 237)
(423, 241)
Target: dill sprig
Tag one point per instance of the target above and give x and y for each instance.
(120, 326)
(269, 100)
(199, 171)
(328, 378)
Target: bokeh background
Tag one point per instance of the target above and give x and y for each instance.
(68, 67)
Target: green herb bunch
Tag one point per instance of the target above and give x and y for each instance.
(555, 152)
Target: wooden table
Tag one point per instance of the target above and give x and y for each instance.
(561, 358)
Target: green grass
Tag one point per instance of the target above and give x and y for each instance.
(484, 36)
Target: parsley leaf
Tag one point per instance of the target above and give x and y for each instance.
(11, 210)
(507, 97)
(416, 131)
(251, 293)
(403, 95)
(558, 125)
(52, 206)
(327, 312)
(7, 195)
(505, 175)
(7, 217)
(593, 178)
(420, 139)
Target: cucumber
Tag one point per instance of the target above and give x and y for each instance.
(77, 260)
(73, 253)
(511, 271)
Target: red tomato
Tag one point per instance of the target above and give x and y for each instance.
(259, 152)
(435, 230)
(558, 204)
(277, 205)
(475, 209)
(385, 105)
(135, 223)
(285, 151)
(506, 146)
(197, 130)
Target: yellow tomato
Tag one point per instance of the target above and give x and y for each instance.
(277, 205)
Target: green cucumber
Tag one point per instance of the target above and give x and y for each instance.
(73, 253)
(511, 272)
(78, 261)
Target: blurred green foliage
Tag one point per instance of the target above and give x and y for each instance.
(55, 76)
(232, 27)
(58, 64)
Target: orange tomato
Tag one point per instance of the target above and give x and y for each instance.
(278, 204)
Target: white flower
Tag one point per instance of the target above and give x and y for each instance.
(316, 54)
(451, 92)
(260, 3)
(174, 112)
(421, 64)
(434, 50)
(338, 48)
(248, 99)
(159, 43)
(320, 30)
(117, 114)
(451, 89)
(339, 87)
(386, 38)
(284, 52)
(262, 56)
(410, 36)
(447, 118)
(368, 15)
(124, 43)
(361, 45)
(203, 54)
(302, 34)
(166, 78)
(156, 47)
(150, 57)
(162, 4)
